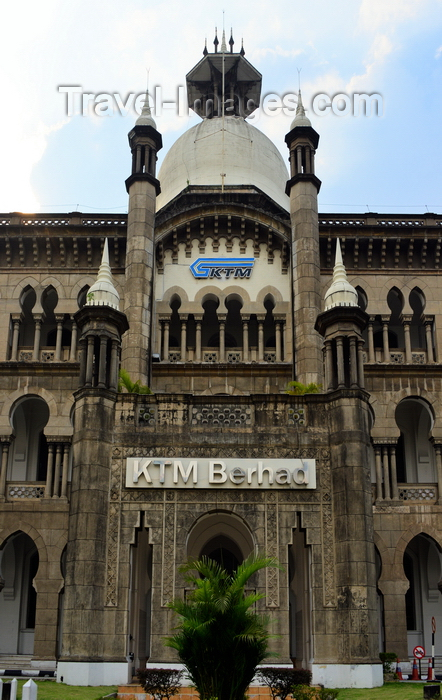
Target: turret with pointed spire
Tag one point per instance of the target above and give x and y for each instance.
(143, 187)
(303, 188)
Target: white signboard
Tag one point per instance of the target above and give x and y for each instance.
(197, 473)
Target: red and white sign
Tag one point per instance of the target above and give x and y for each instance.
(419, 652)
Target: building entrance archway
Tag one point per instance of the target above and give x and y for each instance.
(222, 536)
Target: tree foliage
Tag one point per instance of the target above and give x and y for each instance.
(219, 638)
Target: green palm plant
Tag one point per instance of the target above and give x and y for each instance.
(219, 638)
(130, 386)
(298, 388)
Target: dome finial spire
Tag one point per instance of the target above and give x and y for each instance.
(341, 292)
(145, 118)
(231, 41)
(223, 43)
(103, 292)
(216, 40)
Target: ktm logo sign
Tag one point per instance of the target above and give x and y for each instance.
(222, 268)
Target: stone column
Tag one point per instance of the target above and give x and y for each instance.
(385, 322)
(429, 338)
(73, 352)
(50, 470)
(438, 450)
(394, 611)
(393, 473)
(59, 320)
(260, 319)
(183, 340)
(102, 363)
(278, 340)
(57, 473)
(16, 320)
(198, 322)
(378, 462)
(166, 340)
(38, 323)
(245, 338)
(361, 379)
(385, 455)
(222, 338)
(353, 363)
(64, 476)
(340, 362)
(89, 360)
(5, 443)
(371, 351)
(406, 320)
(113, 372)
(329, 365)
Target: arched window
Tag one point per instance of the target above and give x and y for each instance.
(175, 325)
(415, 459)
(27, 326)
(82, 296)
(29, 454)
(210, 325)
(269, 322)
(49, 301)
(417, 328)
(395, 301)
(233, 305)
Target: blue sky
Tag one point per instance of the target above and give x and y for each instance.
(55, 163)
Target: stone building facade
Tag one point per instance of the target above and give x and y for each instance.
(220, 286)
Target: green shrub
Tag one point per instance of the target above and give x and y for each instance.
(389, 660)
(160, 682)
(281, 680)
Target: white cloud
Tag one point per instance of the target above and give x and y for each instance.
(438, 53)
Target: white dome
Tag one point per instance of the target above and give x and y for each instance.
(243, 153)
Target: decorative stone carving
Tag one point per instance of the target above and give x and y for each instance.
(227, 416)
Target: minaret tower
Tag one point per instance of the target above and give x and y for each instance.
(94, 644)
(143, 187)
(302, 188)
(349, 421)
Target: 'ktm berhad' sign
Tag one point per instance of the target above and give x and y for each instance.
(196, 473)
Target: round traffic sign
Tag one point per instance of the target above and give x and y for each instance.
(419, 652)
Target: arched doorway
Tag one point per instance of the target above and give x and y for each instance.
(423, 569)
(299, 600)
(223, 536)
(140, 597)
(18, 598)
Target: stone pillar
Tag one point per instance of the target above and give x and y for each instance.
(438, 451)
(278, 341)
(353, 363)
(394, 611)
(183, 340)
(166, 340)
(5, 443)
(340, 362)
(38, 323)
(406, 320)
(361, 378)
(102, 362)
(114, 362)
(222, 330)
(385, 322)
(50, 470)
(64, 476)
(59, 320)
(57, 473)
(89, 360)
(385, 455)
(245, 339)
(260, 319)
(371, 351)
(16, 320)
(393, 473)
(329, 365)
(198, 322)
(378, 462)
(429, 338)
(73, 352)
